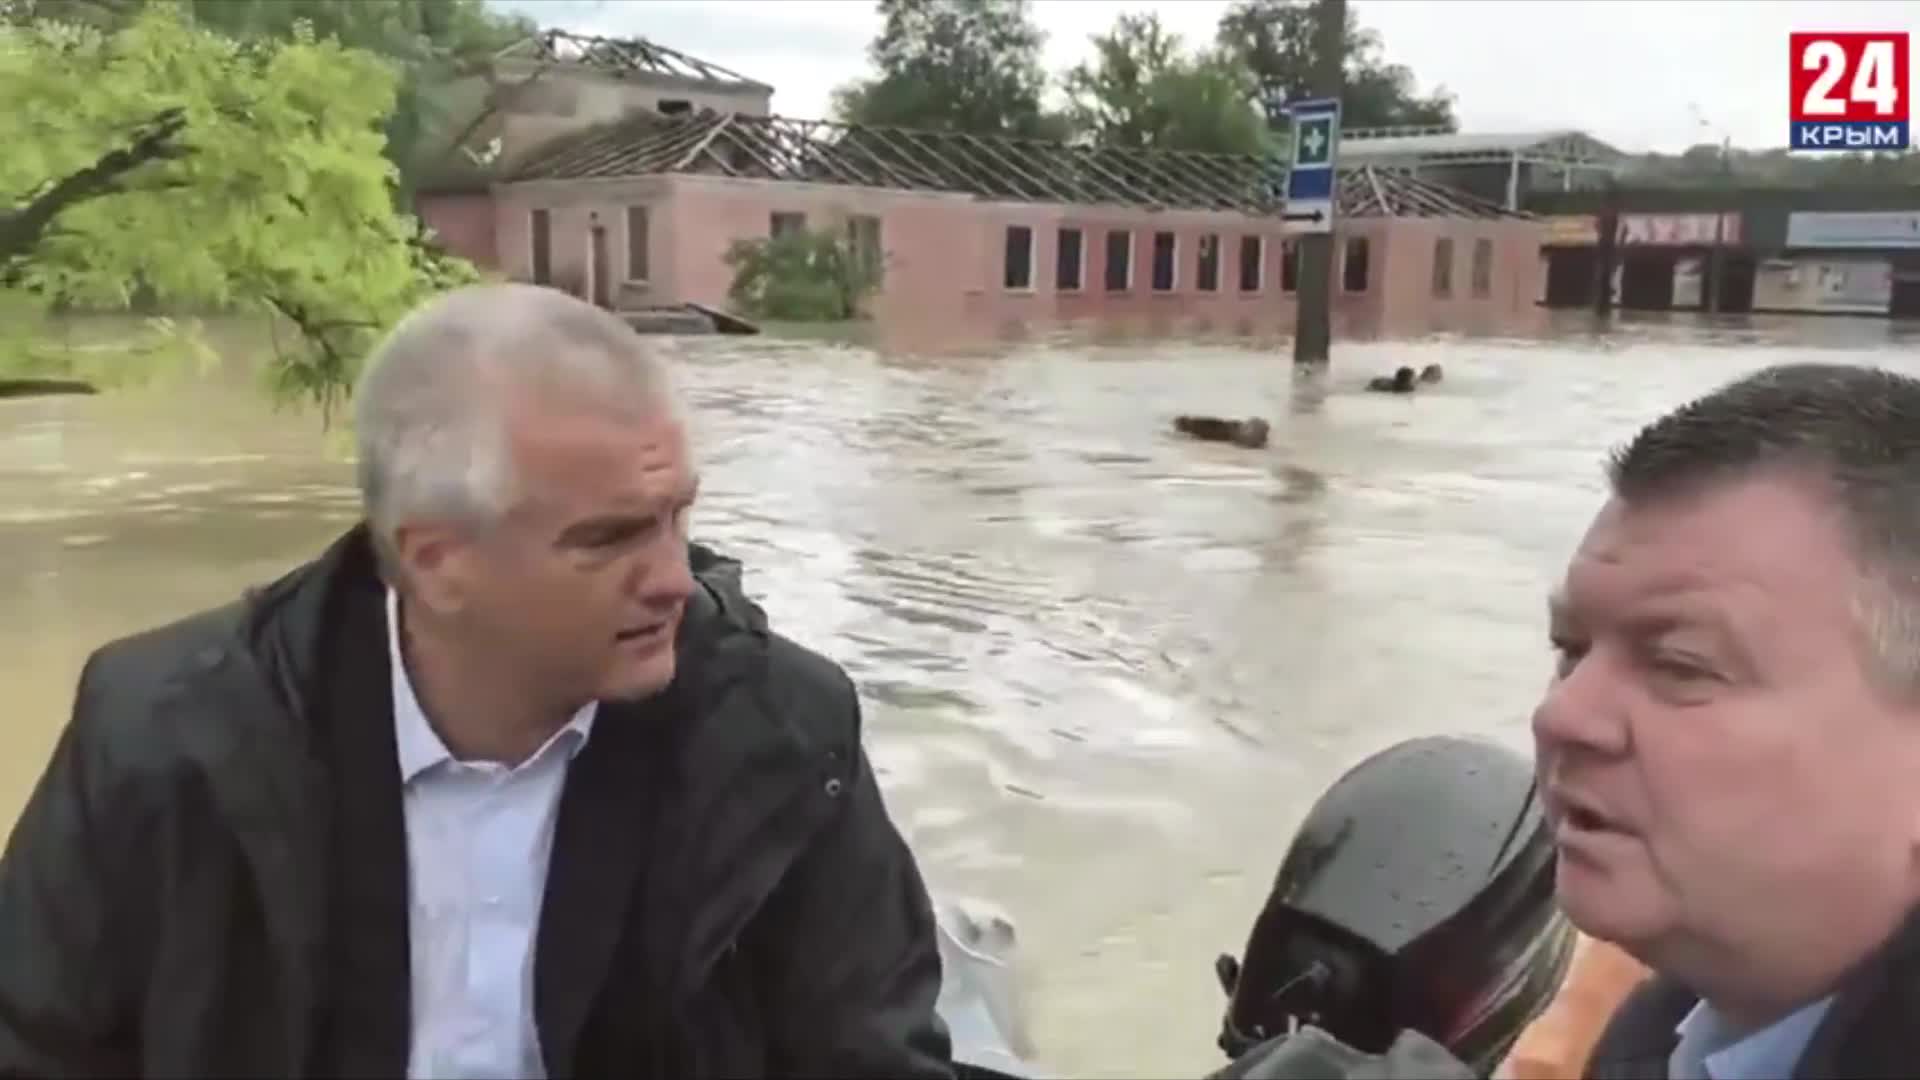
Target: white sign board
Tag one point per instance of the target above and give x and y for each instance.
(1871, 229)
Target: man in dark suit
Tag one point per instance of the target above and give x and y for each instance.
(1730, 747)
(512, 781)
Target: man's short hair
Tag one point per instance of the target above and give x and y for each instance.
(1852, 432)
(430, 412)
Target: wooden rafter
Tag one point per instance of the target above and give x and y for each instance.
(1030, 186)
(703, 145)
(849, 144)
(1024, 170)
(618, 56)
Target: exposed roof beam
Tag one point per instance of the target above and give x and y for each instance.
(1021, 170)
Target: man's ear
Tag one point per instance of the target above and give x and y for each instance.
(437, 560)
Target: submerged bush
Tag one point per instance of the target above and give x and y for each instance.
(802, 275)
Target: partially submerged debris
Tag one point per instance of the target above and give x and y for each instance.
(1250, 433)
(1404, 380)
(688, 318)
(1400, 383)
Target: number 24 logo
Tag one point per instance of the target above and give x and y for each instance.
(1872, 81)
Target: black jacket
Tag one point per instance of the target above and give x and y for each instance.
(1868, 1033)
(727, 894)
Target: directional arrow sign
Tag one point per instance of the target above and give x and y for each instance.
(1310, 179)
(1307, 216)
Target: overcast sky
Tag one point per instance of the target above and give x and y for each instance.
(1638, 74)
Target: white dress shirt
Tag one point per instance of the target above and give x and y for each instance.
(1712, 1049)
(479, 835)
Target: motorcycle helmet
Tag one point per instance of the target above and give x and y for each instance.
(1417, 894)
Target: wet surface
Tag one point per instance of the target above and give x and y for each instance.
(1104, 668)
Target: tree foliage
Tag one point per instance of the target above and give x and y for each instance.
(1143, 91)
(974, 66)
(954, 65)
(803, 275)
(1702, 166)
(197, 170)
(426, 42)
(1274, 41)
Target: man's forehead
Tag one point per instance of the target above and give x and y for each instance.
(1756, 537)
(594, 461)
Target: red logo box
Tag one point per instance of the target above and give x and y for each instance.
(1848, 91)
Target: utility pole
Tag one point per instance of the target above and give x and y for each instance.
(1717, 258)
(1716, 265)
(1313, 322)
(1606, 252)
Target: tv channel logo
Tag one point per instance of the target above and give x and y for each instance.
(1849, 90)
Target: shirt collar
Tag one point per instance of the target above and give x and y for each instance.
(1710, 1047)
(420, 747)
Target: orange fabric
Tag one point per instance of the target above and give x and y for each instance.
(1556, 1045)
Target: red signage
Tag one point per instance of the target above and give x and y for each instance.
(1849, 91)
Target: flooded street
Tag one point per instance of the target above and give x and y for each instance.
(1105, 668)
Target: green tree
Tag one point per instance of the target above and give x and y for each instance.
(199, 170)
(803, 275)
(1274, 39)
(954, 65)
(1702, 166)
(1142, 91)
(428, 43)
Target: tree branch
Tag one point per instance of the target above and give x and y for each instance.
(22, 230)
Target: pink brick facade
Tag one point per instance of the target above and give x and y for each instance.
(464, 223)
(946, 255)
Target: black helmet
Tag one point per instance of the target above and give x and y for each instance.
(1418, 893)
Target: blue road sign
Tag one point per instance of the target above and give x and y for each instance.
(1316, 140)
(1309, 184)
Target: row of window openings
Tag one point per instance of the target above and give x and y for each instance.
(1069, 257)
(863, 237)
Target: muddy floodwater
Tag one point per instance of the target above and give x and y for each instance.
(1105, 669)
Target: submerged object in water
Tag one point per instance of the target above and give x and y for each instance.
(1432, 373)
(1402, 382)
(686, 318)
(1250, 433)
(1417, 895)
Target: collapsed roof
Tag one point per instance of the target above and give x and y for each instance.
(1438, 146)
(618, 56)
(988, 167)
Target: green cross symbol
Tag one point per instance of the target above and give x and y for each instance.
(1313, 144)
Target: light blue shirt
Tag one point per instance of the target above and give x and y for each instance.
(479, 835)
(1712, 1049)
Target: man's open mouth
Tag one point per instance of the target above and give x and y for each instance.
(1582, 817)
